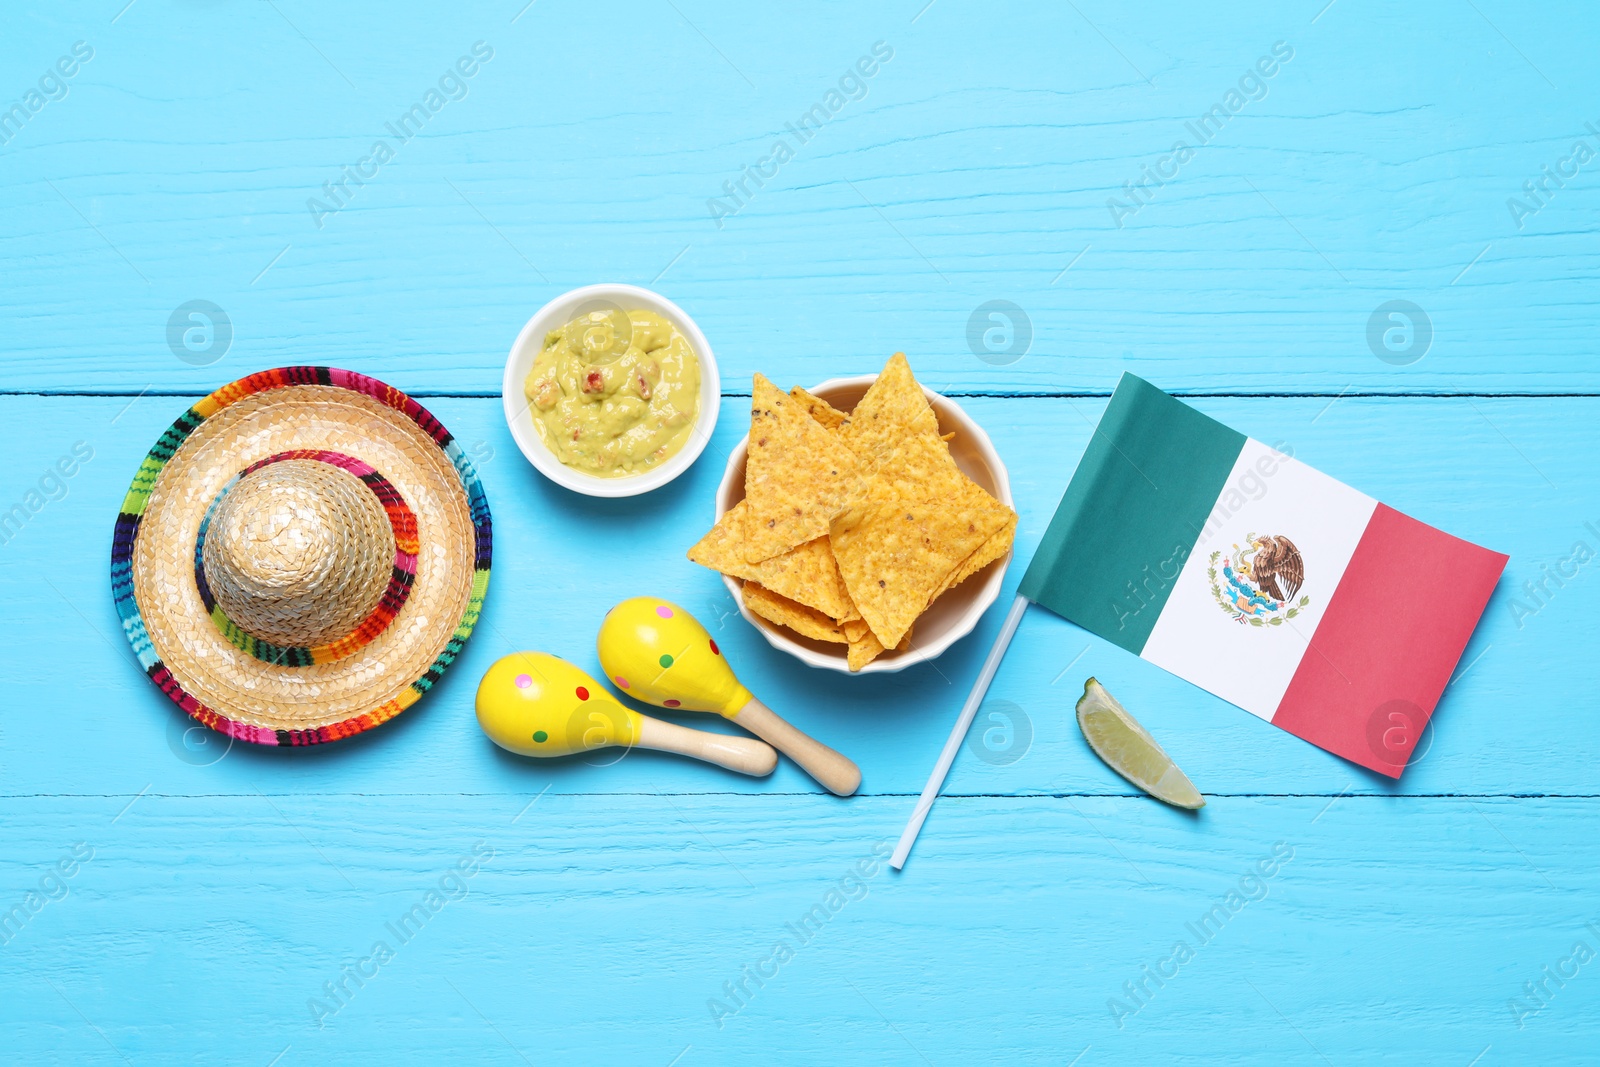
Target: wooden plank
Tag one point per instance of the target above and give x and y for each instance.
(597, 929)
(977, 167)
(1512, 474)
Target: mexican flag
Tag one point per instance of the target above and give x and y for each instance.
(1268, 583)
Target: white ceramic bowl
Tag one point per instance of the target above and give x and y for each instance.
(953, 615)
(558, 313)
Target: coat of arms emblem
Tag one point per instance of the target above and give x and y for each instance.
(1256, 582)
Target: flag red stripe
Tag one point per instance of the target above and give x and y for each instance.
(1388, 641)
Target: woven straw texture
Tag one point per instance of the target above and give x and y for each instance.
(302, 554)
(373, 676)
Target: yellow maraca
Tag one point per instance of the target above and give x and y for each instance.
(659, 653)
(535, 704)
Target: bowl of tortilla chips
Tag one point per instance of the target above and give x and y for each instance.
(864, 525)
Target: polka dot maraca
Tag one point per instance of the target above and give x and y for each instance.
(536, 704)
(658, 653)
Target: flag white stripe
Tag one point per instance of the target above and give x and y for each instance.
(1199, 639)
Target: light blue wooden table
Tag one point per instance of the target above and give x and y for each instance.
(199, 151)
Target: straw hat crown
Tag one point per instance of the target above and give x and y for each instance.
(299, 553)
(305, 556)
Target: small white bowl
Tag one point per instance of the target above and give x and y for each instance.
(949, 618)
(525, 350)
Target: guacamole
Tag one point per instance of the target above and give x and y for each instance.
(615, 392)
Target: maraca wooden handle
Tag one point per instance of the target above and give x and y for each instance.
(735, 753)
(838, 774)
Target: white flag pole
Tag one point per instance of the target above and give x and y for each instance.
(951, 746)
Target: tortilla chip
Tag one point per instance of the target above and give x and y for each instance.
(894, 558)
(997, 545)
(820, 409)
(919, 468)
(797, 477)
(969, 494)
(866, 648)
(806, 573)
(922, 469)
(860, 653)
(893, 410)
(807, 622)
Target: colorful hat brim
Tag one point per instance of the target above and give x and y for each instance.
(138, 497)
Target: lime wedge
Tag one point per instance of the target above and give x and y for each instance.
(1127, 749)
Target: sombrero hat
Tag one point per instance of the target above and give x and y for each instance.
(301, 556)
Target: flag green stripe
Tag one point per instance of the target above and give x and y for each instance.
(1132, 513)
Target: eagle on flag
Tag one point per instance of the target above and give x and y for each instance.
(1276, 558)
